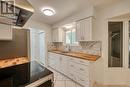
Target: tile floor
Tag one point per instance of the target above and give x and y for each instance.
(62, 81)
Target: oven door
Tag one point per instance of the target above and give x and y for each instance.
(46, 84)
(8, 82)
(47, 81)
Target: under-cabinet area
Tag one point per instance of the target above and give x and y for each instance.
(79, 70)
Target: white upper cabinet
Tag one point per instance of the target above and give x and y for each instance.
(5, 32)
(84, 29)
(57, 35)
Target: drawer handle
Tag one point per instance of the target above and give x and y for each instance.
(72, 65)
(71, 59)
(81, 61)
(60, 58)
(82, 80)
(81, 69)
(71, 74)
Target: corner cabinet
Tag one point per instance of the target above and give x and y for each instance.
(57, 35)
(5, 32)
(84, 29)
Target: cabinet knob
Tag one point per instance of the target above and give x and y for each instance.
(71, 74)
(81, 61)
(72, 65)
(81, 69)
(60, 58)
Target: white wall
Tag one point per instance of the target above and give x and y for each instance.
(80, 15)
(105, 75)
(40, 26)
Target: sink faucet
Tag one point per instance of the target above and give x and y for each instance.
(69, 48)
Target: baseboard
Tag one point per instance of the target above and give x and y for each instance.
(101, 85)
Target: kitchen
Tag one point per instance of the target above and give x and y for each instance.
(85, 44)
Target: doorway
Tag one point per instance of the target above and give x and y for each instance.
(41, 47)
(37, 46)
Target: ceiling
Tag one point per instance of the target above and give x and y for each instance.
(64, 8)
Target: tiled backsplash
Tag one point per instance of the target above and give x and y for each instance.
(90, 47)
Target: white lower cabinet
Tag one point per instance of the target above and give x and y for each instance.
(54, 60)
(76, 69)
(63, 64)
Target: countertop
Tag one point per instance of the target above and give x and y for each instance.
(78, 55)
(12, 62)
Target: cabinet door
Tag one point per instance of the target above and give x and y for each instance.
(83, 29)
(54, 35)
(60, 35)
(87, 28)
(57, 35)
(57, 61)
(78, 31)
(63, 64)
(51, 61)
(5, 32)
(54, 60)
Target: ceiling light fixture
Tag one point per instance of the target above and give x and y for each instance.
(48, 11)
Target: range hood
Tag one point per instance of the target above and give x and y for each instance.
(22, 12)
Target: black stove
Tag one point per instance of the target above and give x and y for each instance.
(25, 74)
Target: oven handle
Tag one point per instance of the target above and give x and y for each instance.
(42, 80)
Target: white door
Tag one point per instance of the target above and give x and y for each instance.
(41, 54)
(37, 45)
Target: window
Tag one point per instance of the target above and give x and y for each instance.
(115, 44)
(70, 36)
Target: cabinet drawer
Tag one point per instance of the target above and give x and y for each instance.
(80, 61)
(79, 73)
(83, 70)
(72, 66)
(72, 76)
(84, 82)
(79, 69)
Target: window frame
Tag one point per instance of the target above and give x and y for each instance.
(71, 44)
(122, 44)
